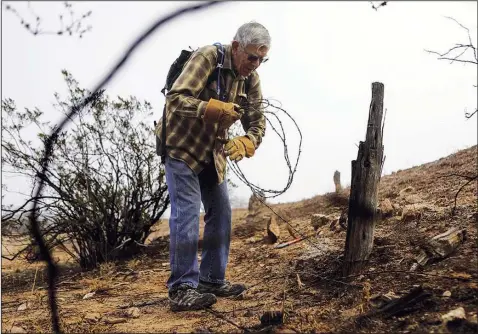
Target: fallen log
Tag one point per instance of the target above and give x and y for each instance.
(402, 305)
(440, 246)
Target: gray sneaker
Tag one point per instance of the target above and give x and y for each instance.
(222, 290)
(186, 298)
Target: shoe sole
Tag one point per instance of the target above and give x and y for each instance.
(179, 308)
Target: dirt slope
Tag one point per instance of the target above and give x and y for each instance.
(303, 279)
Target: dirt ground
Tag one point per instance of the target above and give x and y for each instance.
(303, 280)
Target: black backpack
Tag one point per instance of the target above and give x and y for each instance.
(174, 72)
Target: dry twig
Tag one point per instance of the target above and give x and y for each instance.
(221, 316)
(384, 3)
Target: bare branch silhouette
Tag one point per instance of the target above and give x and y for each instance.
(75, 26)
(456, 53)
(382, 4)
(461, 53)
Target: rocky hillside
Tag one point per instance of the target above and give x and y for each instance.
(301, 283)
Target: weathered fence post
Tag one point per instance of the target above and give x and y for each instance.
(366, 171)
(338, 186)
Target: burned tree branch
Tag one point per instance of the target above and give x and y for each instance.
(468, 115)
(458, 192)
(469, 178)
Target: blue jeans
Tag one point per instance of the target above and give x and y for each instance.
(186, 190)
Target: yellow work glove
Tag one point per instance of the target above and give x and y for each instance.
(239, 147)
(223, 113)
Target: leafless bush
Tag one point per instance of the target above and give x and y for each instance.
(105, 186)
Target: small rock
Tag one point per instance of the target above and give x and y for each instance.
(379, 301)
(22, 307)
(16, 329)
(412, 199)
(273, 230)
(391, 295)
(318, 220)
(114, 321)
(406, 191)
(397, 208)
(92, 317)
(411, 213)
(165, 264)
(89, 295)
(132, 312)
(455, 314)
(447, 294)
(250, 240)
(386, 208)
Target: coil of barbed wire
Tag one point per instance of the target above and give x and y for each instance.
(264, 106)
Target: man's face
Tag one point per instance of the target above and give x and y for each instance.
(248, 59)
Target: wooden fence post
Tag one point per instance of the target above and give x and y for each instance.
(366, 172)
(338, 186)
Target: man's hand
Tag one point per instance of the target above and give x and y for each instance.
(239, 147)
(225, 114)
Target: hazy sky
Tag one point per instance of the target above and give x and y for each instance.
(323, 60)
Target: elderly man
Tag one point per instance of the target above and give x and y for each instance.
(197, 123)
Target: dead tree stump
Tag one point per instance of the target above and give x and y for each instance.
(366, 171)
(338, 186)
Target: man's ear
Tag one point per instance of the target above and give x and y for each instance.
(235, 46)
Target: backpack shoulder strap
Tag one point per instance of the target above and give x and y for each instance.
(221, 55)
(247, 85)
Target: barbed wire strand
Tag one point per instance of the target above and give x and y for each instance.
(271, 193)
(257, 191)
(35, 230)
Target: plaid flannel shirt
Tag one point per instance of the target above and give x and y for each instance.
(188, 137)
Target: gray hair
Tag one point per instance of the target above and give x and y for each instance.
(253, 33)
